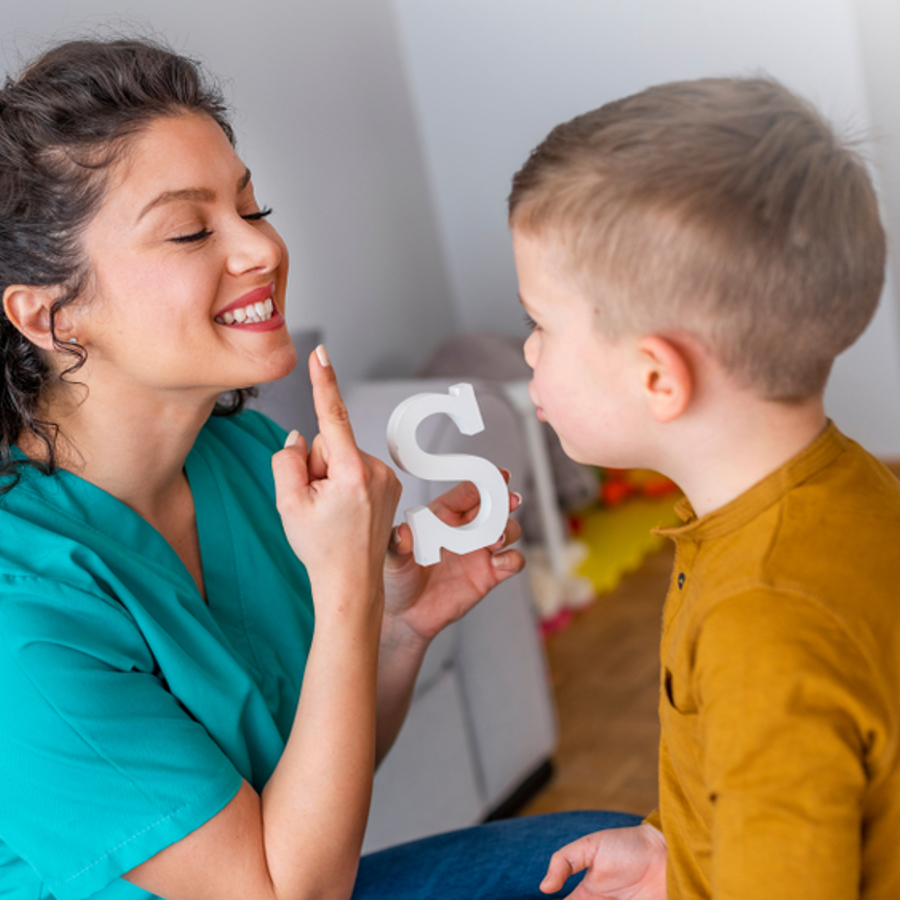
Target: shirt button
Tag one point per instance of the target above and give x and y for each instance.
(681, 580)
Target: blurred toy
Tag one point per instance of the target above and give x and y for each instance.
(617, 485)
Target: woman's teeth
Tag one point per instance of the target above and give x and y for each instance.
(253, 312)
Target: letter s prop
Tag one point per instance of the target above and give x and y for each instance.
(429, 532)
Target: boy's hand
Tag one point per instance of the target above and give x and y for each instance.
(621, 863)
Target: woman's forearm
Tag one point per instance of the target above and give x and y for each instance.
(302, 837)
(315, 806)
(399, 662)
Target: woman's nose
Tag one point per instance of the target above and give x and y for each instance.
(254, 247)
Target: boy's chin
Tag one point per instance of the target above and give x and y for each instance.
(594, 456)
(576, 453)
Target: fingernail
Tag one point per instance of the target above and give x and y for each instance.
(395, 537)
(518, 498)
(292, 438)
(322, 353)
(499, 560)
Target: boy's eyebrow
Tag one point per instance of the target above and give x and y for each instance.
(198, 195)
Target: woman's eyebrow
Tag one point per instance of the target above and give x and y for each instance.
(199, 195)
(202, 195)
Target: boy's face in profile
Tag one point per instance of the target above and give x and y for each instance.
(584, 386)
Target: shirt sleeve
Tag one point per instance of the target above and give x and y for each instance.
(786, 702)
(108, 767)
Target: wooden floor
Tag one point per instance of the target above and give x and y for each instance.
(605, 669)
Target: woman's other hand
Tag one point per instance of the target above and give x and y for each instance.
(421, 601)
(337, 503)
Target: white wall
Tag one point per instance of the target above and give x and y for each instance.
(491, 77)
(394, 248)
(879, 29)
(324, 120)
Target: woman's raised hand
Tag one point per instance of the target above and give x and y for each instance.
(337, 503)
(301, 837)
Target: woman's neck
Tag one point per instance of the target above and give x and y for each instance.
(134, 450)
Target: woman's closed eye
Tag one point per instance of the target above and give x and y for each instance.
(191, 238)
(204, 233)
(530, 322)
(256, 216)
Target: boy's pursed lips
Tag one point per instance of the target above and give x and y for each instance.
(538, 409)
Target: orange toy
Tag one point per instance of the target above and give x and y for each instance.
(617, 485)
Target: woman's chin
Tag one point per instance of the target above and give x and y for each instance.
(277, 364)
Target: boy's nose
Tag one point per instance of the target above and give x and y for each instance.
(529, 350)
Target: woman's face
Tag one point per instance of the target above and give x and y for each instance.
(187, 285)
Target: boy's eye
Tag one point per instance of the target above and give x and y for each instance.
(530, 322)
(256, 216)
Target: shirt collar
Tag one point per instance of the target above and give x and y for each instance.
(746, 507)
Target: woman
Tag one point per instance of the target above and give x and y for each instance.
(156, 612)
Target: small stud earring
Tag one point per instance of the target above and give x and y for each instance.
(73, 340)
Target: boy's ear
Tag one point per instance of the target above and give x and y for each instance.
(667, 380)
(28, 308)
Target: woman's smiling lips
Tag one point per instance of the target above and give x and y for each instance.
(254, 311)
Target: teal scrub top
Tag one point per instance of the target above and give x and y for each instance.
(130, 709)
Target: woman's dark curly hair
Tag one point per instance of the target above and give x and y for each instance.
(63, 123)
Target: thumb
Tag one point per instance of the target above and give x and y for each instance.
(318, 459)
(289, 469)
(557, 873)
(401, 546)
(565, 862)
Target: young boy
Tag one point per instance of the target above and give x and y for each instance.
(693, 258)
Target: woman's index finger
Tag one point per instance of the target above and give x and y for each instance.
(334, 421)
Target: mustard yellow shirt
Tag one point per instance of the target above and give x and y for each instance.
(780, 687)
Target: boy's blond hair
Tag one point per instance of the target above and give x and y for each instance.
(724, 208)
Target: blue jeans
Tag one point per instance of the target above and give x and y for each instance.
(504, 860)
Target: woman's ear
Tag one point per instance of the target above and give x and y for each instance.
(28, 308)
(667, 380)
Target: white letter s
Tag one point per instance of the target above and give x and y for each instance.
(429, 532)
